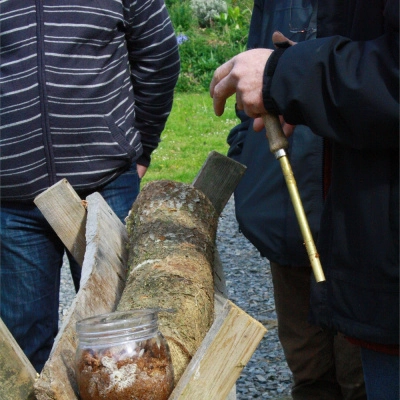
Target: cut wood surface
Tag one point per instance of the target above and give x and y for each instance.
(102, 282)
(218, 178)
(63, 209)
(171, 230)
(17, 374)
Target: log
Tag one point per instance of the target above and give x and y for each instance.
(17, 374)
(171, 230)
(102, 283)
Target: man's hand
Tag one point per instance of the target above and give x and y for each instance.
(258, 125)
(243, 75)
(141, 170)
(279, 40)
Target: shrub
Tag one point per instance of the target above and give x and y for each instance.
(181, 16)
(203, 49)
(206, 10)
(201, 54)
(234, 18)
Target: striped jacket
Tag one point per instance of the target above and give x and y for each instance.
(86, 88)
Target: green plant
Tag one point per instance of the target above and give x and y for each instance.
(206, 10)
(203, 49)
(202, 53)
(181, 16)
(234, 18)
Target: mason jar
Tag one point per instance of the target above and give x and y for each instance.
(122, 355)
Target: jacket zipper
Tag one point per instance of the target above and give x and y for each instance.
(46, 133)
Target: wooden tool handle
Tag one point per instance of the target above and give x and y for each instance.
(276, 138)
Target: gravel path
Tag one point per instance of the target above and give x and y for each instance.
(249, 284)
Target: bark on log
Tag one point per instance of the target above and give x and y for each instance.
(171, 229)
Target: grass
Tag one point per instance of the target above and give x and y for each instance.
(192, 131)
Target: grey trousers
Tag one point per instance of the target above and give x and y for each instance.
(325, 366)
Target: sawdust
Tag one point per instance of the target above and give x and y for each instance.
(146, 374)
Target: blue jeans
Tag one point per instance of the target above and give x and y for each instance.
(31, 260)
(381, 375)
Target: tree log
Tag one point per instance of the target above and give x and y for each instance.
(171, 231)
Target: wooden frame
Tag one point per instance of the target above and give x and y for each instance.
(228, 345)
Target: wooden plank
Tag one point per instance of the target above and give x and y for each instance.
(102, 282)
(218, 178)
(224, 352)
(219, 277)
(17, 374)
(220, 296)
(64, 210)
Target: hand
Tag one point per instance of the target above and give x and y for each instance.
(141, 170)
(243, 75)
(279, 39)
(288, 129)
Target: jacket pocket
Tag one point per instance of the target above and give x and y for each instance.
(119, 137)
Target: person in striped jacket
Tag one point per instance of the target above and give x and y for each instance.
(86, 90)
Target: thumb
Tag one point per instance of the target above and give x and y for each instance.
(280, 40)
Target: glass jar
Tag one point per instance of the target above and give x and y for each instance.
(122, 355)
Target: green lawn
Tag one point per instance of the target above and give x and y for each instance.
(192, 131)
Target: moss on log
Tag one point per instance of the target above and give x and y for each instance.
(171, 229)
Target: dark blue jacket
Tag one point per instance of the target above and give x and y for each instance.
(345, 86)
(263, 207)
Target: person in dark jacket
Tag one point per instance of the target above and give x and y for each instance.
(86, 90)
(324, 365)
(344, 85)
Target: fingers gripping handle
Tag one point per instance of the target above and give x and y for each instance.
(276, 138)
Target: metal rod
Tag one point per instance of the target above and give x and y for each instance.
(278, 143)
(302, 219)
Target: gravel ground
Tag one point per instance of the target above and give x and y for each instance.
(249, 283)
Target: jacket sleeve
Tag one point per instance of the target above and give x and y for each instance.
(154, 63)
(342, 89)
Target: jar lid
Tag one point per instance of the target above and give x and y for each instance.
(137, 324)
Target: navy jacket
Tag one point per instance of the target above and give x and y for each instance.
(345, 87)
(263, 207)
(86, 89)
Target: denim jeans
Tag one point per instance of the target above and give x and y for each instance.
(381, 372)
(31, 260)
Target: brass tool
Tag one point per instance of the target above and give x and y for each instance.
(277, 144)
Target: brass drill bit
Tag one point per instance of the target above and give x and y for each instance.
(278, 144)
